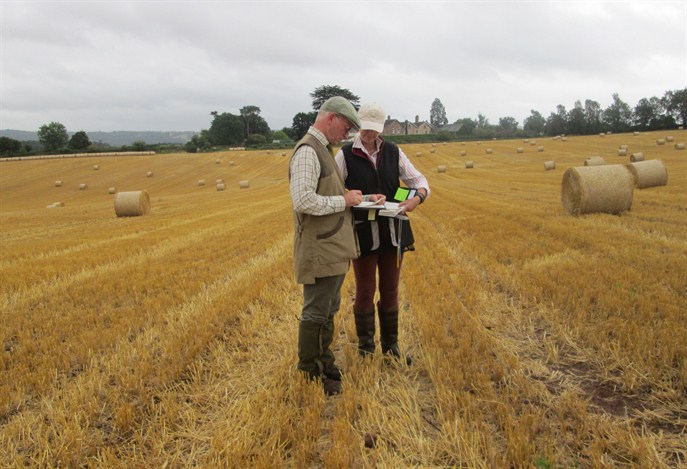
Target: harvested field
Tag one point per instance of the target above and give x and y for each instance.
(539, 339)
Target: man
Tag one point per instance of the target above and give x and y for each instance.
(324, 240)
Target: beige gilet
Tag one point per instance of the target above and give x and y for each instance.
(323, 245)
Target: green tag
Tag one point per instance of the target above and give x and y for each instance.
(401, 194)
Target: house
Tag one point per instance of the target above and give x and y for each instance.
(395, 127)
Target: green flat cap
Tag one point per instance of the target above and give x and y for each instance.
(342, 106)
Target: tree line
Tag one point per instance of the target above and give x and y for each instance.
(667, 112)
(250, 129)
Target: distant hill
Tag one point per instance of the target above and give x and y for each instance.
(115, 139)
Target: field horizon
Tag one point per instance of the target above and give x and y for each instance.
(540, 339)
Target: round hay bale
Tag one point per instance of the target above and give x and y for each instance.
(444, 143)
(96, 167)
(533, 143)
(604, 189)
(669, 138)
(55, 205)
(479, 143)
(635, 133)
(468, 164)
(679, 146)
(83, 187)
(441, 169)
(661, 141)
(232, 163)
(132, 203)
(219, 181)
(520, 150)
(639, 156)
(112, 190)
(419, 153)
(434, 145)
(431, 150)
(283, 153)
(220, 186)
(650, 173)
(58, 183)
(149, 174)
(201, 182)
(594, 161)
(549, 165)
(602, 134)
(489, 151)
(622, 147)
(218, 161)
(243, 185)
(527, 140)
(622, 151)
(463, 153)
(565, 139)
(541, 148)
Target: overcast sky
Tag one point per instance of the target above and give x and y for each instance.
(165, 65)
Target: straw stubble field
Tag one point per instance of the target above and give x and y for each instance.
(169, 340)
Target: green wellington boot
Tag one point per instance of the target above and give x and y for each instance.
(331, 371)
(310, 356)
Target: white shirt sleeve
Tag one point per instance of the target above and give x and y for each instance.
(409, 174)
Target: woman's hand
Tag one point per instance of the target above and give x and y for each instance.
(410, 204)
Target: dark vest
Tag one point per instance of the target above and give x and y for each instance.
(382, 179)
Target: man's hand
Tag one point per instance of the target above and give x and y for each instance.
(380, 199)
(353, 197)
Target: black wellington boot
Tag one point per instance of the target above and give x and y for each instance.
(388, 329)
(365, 328)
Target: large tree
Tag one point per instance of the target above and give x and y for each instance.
(468, 126)
(482, 121)
(437, 114)
(618, 116)
(592, 116)
(9, 146)
(676, 105)
(508, 125)
(253, 122)
(576, 122)
(226, 129)
(324, 92)
(647, 113)
(79, 141)
(555, 124)
(53, 136)
(534, 124)
(301, 123)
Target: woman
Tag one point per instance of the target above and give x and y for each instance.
(374, 166)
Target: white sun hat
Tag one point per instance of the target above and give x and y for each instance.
(372, 117)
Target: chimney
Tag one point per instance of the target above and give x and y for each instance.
(417, 119)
